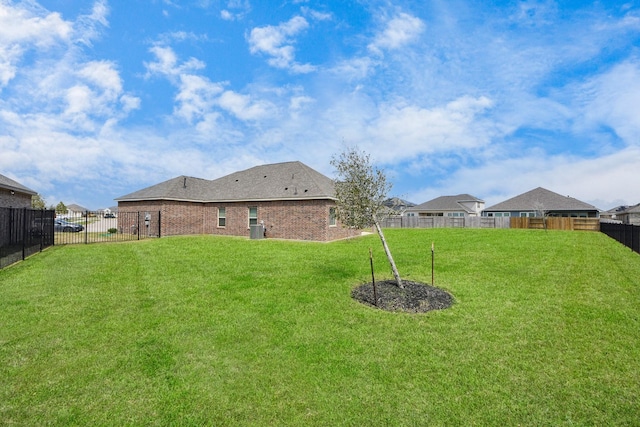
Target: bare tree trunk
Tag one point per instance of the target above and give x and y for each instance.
(394, 269)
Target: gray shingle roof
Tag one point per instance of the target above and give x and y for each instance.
(278, 181)
(180, 188)
(446, 203)
(76, 208)
(541, 198)
(9, 184)
(632, 209)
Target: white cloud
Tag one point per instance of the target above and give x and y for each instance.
(103, 75)
(277, 43)
(167, 63)
(412, 130)
(317, 15)
(354, 69)
(89, 27)
(129, 103)
(399, 30)
(243, 107)
(235, 10)
(196, 96)
(226, 15)
(612, 99)
(22, 29)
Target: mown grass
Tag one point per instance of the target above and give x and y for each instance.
(226, 331)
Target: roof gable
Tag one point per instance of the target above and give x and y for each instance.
(10, 184)
(541, 199)
(76, 208)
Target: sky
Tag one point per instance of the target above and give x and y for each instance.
(490, 98)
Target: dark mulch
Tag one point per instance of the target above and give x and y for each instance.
(414, 298)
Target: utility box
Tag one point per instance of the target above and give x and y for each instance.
(256, 231)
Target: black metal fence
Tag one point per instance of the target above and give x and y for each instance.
(24, 232)
(96, 227)
(627, 234)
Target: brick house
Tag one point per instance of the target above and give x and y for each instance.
(14, 194)
(290, 199)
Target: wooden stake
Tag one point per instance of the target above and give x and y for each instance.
(373, 279)
(432, 262)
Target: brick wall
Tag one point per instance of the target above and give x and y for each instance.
(300, 220)
(17, 200)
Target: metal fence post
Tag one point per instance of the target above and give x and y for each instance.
(24, 227)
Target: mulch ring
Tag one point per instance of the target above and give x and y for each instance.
(414, 298)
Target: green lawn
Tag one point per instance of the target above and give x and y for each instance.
(226, 331)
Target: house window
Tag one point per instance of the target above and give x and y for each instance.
(332, 217)
(253, 216)
(222, 217)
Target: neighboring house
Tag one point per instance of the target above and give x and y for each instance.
(109, 211)
(75, 211)
(291, 201)
(612, 214)
(396, 206)
(13, 194)
(462, 205)
(631, 215)
(542, 202)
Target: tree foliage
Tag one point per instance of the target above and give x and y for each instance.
(37, 202)
(361, 190)
(61, 208)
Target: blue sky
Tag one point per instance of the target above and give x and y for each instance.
(491, 98)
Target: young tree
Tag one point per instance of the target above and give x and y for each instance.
(61, 208)
(541, 212)
(361, 191)
(37, 202)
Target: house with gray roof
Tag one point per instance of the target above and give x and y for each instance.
(13, 194)
(75, 211)
(395, 206)
(290, 200)
(542, 202)
(629, 215)
(461, 205)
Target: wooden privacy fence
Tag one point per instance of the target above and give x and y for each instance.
(557, 223)
(444, 222)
